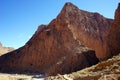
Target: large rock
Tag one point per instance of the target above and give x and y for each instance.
(114, 34)
(90, 29)
(63, 40)
(81, 58)
(105, 70)
(47, 48)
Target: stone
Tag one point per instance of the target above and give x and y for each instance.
(81, 59)
(90, 29)
(113, 38)
(62, 43)
(105, 70)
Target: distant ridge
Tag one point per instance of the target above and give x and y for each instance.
(4, 50)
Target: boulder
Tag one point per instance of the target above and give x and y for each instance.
(81, 58)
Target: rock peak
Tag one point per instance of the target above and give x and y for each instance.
(117, 13)
(60, 46)
(68, 4)
(69, 7)
(118, 4)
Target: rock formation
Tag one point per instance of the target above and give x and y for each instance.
(62, 44)
(114, 34)
(4, 50)
(89, 29)
(105, 70)
(81, 58)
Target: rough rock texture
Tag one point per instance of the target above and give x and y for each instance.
(83, 57)
(4, 50)
(114, 34)
(45, 49)
(106, 70)
(90, 29)
(62, 42)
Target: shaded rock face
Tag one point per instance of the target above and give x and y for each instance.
(59, 47)
(73, 62)
(114, 34)
(105, 70)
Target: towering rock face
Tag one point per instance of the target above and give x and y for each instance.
(4, 50)
(60, 46)
(114, 34)
(90, 29)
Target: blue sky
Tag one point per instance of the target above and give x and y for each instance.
(19, 19)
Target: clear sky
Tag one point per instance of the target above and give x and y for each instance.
(19, 19)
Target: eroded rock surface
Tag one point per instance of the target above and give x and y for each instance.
(90, 29)
(114, 34)
(81, 58)
(106, 70)
(62, 43)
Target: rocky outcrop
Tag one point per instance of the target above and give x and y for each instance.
(114, 34)
(45, 50)
(105, 70)
(90, 29)
(62, 43)
(4, 50)
(83, 57)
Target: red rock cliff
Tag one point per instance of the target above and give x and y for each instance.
(90, 29)
(59, 47)
(114, 34)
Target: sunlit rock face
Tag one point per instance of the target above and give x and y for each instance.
(90, 29)
(70, 42)
(114, 34)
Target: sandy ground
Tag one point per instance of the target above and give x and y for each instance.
(4, 76)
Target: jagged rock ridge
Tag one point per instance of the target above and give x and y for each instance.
(61, 42)
(90, 29)
(106, 70)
